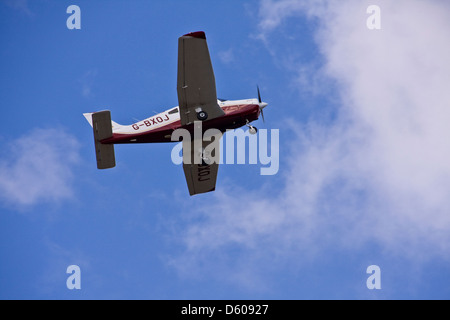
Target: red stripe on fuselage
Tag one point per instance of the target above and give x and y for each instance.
(235, 117)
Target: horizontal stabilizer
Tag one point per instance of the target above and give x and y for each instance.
(101, 123)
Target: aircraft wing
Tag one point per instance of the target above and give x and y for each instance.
(200, 176)
(196, 85)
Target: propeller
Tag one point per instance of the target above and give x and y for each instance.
(262, 104)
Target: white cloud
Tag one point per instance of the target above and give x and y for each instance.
(380, 172)
(87, 83)
(37, 167)
(226, 56)
(20, 5)
(393, 90)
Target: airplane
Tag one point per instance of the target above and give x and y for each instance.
(197, 103)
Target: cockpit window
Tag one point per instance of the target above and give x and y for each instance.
(173, 111)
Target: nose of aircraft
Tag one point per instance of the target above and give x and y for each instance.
(262, 105)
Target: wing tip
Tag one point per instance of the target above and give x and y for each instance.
(196, 34)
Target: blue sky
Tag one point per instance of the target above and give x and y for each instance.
(363, 177)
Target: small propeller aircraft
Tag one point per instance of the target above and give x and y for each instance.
(197, 101)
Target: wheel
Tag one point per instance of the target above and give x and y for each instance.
(253, 130)
(202, 115)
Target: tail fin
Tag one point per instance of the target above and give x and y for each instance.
(102, 126)
(88, 117)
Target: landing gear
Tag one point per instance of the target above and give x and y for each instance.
(202, 115)
(251, 129)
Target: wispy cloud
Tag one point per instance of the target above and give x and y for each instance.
(379, 173)
(87, 82)
(20, 5)
(226, 56)
(37, 167)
